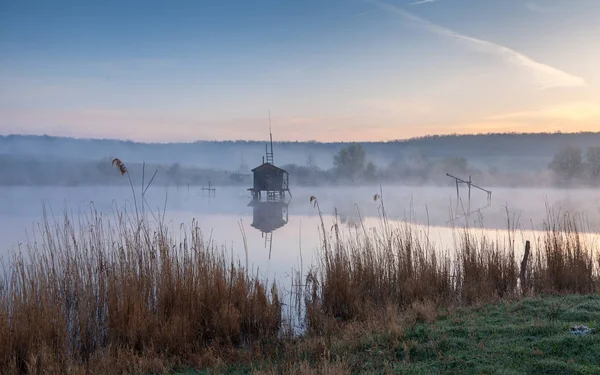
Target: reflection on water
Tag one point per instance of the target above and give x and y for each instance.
(267, 217)
(279, 232)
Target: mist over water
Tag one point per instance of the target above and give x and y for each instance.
(231, 224)
(226, 218)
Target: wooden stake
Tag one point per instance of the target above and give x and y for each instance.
(523, 275)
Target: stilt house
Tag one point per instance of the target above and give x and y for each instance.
(270, 181)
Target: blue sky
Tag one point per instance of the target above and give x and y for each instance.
(327, 70)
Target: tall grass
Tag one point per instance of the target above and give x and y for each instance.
(484, 268)
(565, 261)
(105, 293)
(398, 266)
(370, 271)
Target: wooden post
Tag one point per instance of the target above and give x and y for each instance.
(469, 202)
(523, 275)
(457, 198)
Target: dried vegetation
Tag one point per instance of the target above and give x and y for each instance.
(120, 295)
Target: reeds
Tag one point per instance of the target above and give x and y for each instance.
(484, 268)
(398, 266)
(81, 298)
(565, 261)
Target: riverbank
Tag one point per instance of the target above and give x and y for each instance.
(528, 336)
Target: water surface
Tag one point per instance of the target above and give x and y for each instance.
(278, 237)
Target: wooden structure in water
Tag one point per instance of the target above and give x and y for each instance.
(269, 191)
(211, 190)
(269, 181)
(469, 184)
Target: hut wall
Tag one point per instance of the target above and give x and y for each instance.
(268, 180)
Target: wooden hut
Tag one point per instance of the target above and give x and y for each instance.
(270, 180)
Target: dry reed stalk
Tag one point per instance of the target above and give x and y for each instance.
(88, 293)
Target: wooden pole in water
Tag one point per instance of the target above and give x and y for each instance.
(469, 203)
(457, 198)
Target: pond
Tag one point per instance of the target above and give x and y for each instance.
(277, 236)
(282, 239)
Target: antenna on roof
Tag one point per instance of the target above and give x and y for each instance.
(270, 154)
(270, 132)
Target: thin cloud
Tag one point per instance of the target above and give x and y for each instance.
(575, 111)
(424, 2)
(545, 75)
(360, 14)
(537, 8)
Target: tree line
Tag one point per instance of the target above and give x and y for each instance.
(17, 171)
(351, 165)
(571, 163)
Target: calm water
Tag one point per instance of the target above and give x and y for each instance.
(224, 217)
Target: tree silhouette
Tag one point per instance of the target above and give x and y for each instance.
(349, 161)
(592, 160)
(567, 163)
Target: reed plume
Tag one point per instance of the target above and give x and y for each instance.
(117, 163)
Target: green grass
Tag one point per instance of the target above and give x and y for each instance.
(530, 336)
(527, 337)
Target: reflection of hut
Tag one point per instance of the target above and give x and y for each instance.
(268, 217)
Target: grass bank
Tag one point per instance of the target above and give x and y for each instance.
(527, 336)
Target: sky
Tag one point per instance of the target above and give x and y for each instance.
(325, 70)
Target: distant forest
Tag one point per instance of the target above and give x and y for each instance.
(494, 159)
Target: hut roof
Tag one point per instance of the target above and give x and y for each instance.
(264, 166)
